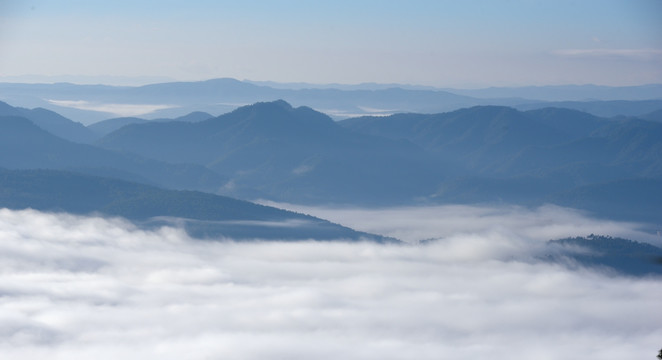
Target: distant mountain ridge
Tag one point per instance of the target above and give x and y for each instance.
(51, 122)
(602, 108)
(474, 136)
(546, 155)
(201, 214)
(286, 153)
(105, 127)
(216, 96)
(578, 93)
(274, 151)
(499, 140)
(24, 145)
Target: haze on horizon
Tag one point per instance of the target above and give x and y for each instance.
(422, 42)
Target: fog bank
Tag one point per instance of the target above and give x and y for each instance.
(413, 224)
(83, 287)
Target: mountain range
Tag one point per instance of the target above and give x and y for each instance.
(93, 103)
(275, 151)
(52, 122)
(549, 155)
(501, 141)
(610, 167)
(201, 214)
(24, 145)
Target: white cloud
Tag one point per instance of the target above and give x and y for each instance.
(302, 169)
(83, 287)
(115, 109)
(626, 53)
(431, 222)
(349, 114)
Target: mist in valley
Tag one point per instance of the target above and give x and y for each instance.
(75, 287)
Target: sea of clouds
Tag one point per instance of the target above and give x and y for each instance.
(75, 287)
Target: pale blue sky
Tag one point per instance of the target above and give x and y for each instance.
(441, 43)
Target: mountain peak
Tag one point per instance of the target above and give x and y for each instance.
(489, 110)
(281, 104)
(279, 115)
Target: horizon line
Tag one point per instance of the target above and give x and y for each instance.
(135, 81)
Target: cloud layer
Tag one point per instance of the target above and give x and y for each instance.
(514, 222)
(601, 53)
(84, 287)
(113, 109)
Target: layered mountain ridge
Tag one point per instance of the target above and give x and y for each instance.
(274, 151)
(288, 154)
(201, 214)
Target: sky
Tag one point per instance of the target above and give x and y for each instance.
(77, 287)
(476, 43)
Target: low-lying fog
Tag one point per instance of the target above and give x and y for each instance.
(413, 224)
(91, 288)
